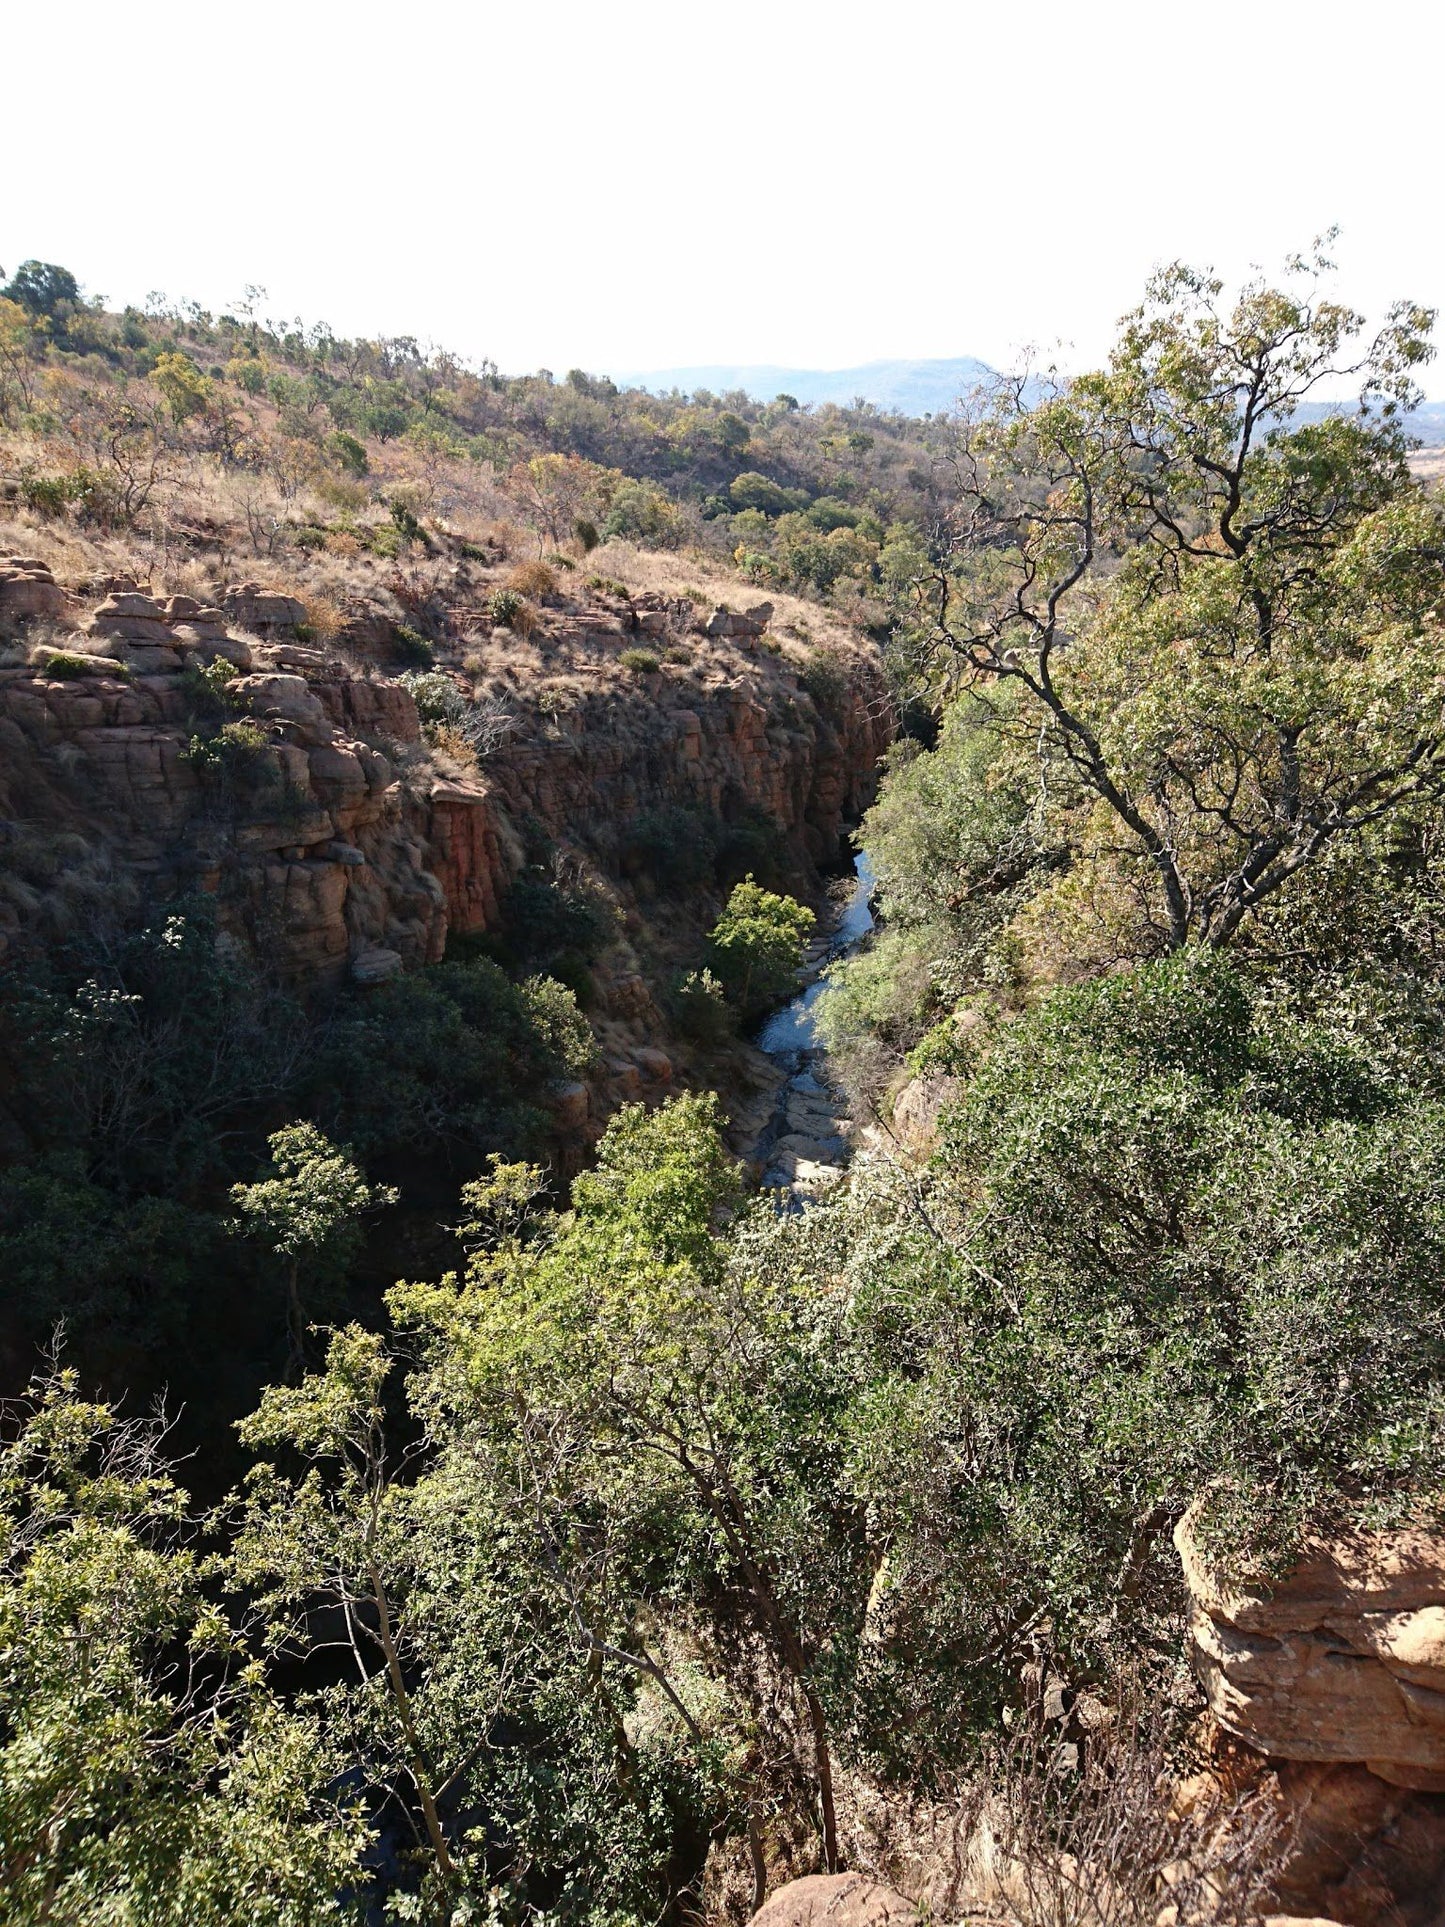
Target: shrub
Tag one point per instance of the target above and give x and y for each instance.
(234, 753)
(676, 846)
(608, 585)
(66, 665)
(410, 646)
(757, 946)
(558, 561)
(642, 662)
(437, 698)
(505, 605)
(349, 452)
(701, 1008)
(825, 677)
(46, 495)
(586, 534)
(534, 579)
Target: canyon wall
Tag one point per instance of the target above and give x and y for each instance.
(330, 839)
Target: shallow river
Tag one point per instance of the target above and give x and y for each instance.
(804, 1146)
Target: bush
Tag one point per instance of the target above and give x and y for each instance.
(410, 646)
(46, 495)
(642, 662)
(825, 677)
(505, 606)
(533, 579)
(68, 665)
(437, 698)
(675, 846)
(235, 753)
(586, 534)
(757, 947)
(701, 1008)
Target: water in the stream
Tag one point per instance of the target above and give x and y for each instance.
(804, 1145)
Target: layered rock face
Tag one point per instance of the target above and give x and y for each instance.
(1344, 1660)
(1337, 1675)
(319, 823)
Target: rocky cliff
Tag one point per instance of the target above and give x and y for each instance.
(1336, 1675)
(151, 748)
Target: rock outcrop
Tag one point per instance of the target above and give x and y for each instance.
(29, 594)
(1336, 1675)
(1342, 1660)
(318, 824)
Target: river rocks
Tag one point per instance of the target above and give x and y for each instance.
(836, 1900)
(1342, 1660)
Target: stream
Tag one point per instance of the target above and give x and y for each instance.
(804, 1147)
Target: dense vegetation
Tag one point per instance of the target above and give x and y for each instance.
(659, 1519)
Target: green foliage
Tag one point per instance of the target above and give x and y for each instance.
(47, 495)
(505, 605)
(701, 1008)
(69, 665)
(238, 754)
(409, 646)
(146, 1772)
(42, 288)
(674, 845)
(437, 697)
(1253, 679)
(752, 491)
(757, 947)
(186, 390)
(455, 1058)
(350, 453)
(642, 662)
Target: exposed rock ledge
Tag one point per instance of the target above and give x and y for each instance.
(1343, 1660)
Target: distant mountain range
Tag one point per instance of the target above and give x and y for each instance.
(905, 388)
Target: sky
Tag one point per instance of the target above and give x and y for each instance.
(650, 185)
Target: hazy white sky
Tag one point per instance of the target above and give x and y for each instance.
(643, 184)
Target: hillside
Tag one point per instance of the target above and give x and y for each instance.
(553, 1374)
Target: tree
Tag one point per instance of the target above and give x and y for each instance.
(1222, 611)
(146, 1773)
(308, 1212)
(757, 946)
(666, 1425)
(43, 288)
(186, 390)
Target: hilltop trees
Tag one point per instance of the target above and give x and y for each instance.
(1222, 619)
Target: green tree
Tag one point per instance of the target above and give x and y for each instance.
(42, 288)
(186, 390)
(308, 1212)
(1222, 616)
(757, 946)
(146, 1772)
(669, 1429)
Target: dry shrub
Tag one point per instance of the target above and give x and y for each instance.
(450, 749)
(323, 618)
(342, 542)
(536, 579)
(1090, 1831)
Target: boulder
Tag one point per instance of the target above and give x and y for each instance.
(376, 965)
(263, 612)
(28, 593)
(1341, 1660)
(836, 1900)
